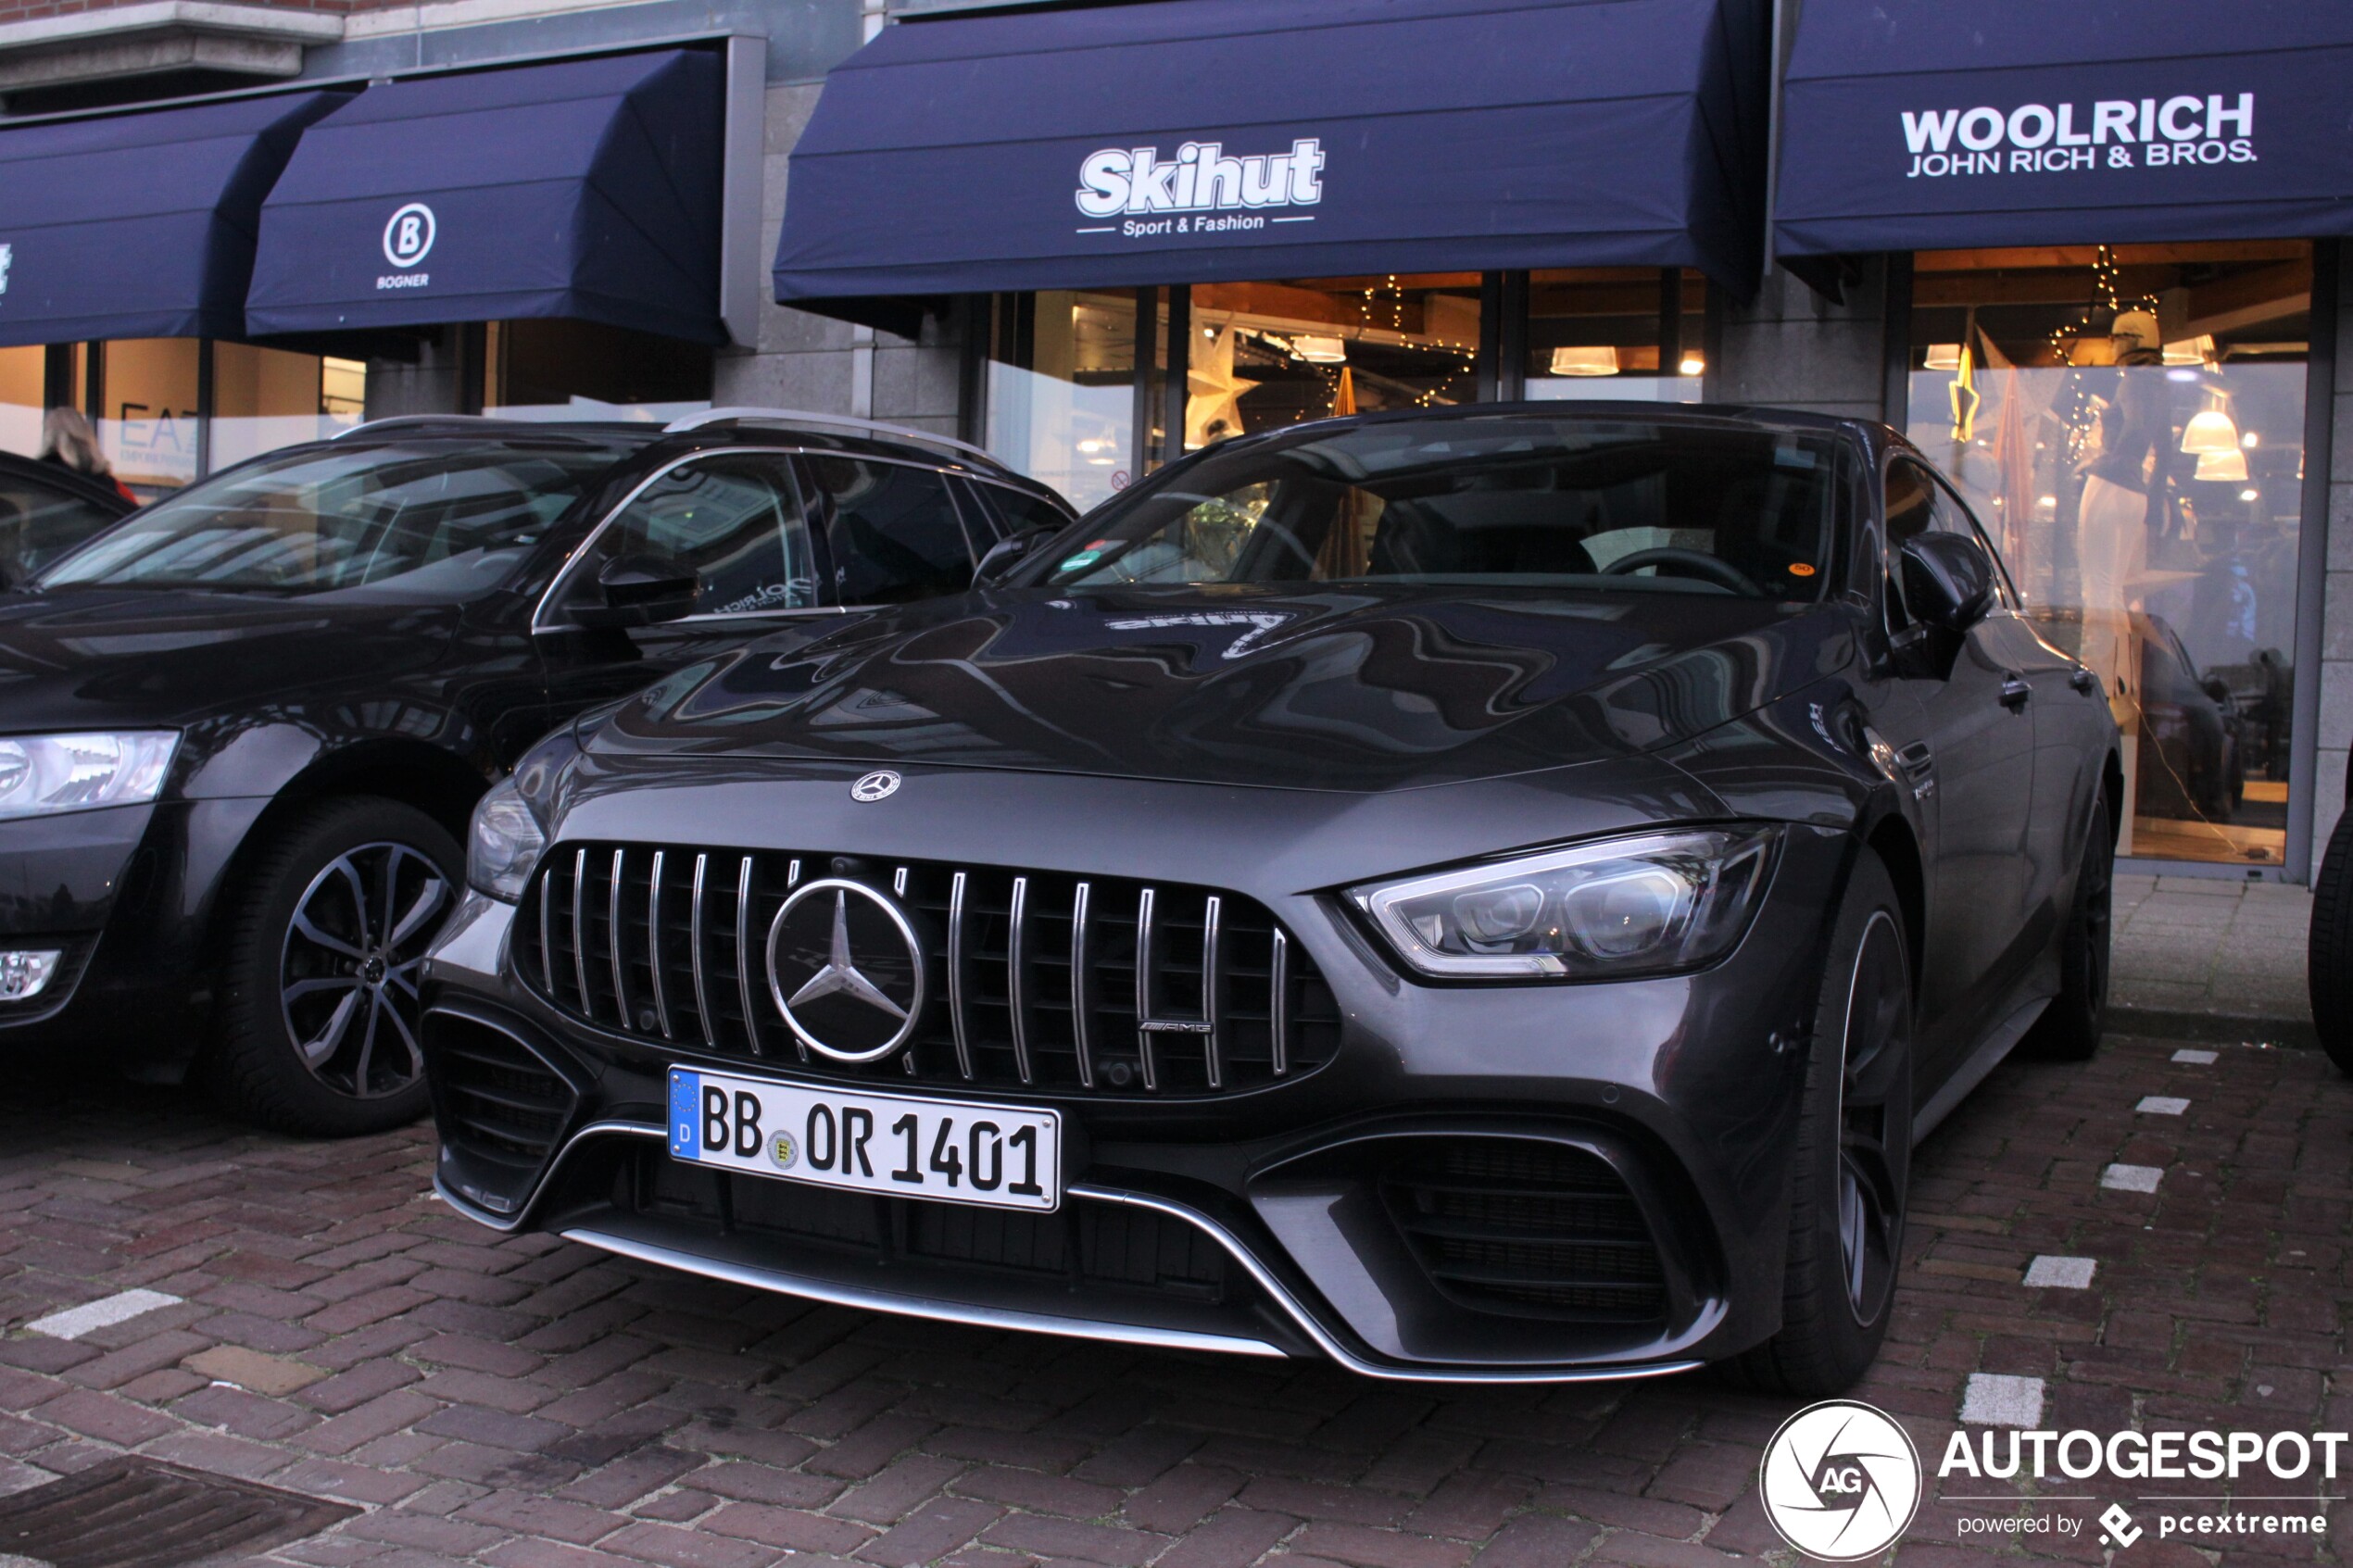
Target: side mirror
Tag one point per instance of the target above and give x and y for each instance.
(1008, 553)
(639, 591)
(2219, 690)
(1948, 581)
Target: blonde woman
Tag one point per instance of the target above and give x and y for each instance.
(68, 440)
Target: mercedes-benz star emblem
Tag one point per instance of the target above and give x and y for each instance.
(846, 968)
(881, 784)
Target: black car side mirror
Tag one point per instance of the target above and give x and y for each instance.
(639, 591)
(1948, 581)
(1008, 553)
(2219, 690)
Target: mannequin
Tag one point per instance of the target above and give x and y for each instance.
(2121, 479)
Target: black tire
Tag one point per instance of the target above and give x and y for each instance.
(2070, 1028)
(315, 1028)
(2328, 960)
(1851, 1170)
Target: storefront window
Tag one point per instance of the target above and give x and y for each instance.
(1062, 389)
(561, 369)
(1268, 355)
(2128, 423)
(23, 379)
(1616, 332)
(147, 415)
(264, 398)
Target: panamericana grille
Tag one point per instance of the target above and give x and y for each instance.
(1529, 1229)
(1033, 979)
(498, 1102)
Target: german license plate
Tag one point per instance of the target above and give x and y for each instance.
(952, 1150)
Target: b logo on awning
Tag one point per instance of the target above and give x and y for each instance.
(409, 234)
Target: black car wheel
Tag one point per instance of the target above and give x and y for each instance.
(2329, 957)
(2070, 1028)
(317, 1025)
(1851, 1170)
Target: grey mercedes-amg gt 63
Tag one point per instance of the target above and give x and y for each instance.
(1489, 894)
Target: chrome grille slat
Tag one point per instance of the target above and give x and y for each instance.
(1212, 983)
(1082, 988)
(580, 935)
(619, 946)
(653, 946)
(695, 943)
(959, 977)
(743, 957)
(1171, 990)
(1016, 976)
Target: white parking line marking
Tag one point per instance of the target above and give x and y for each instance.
(75, 1321)
(2131, 1178)
(2051, 1272)
(2198, 1059)
(2161, 1105)
(1994, 1399)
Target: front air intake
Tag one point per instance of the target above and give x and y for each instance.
(1527, 1228)
(497, 1104)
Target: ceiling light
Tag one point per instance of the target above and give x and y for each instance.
(2226, 468)
(1599, 359)
(2197, 350)
(2250, 441)
(1943, 356)
(2211, 431)
(2250, 494)
(1320, 350)
(1693, 365)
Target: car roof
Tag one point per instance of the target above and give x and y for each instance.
(730, 427)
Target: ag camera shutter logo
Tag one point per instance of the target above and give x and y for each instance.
(1841, 1481)
(409, 234)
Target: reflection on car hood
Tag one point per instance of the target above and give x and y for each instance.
(90, 658)
(1346, 688)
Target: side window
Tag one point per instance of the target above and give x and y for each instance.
(736, 519)
(1021, 509)
(37, 524)
(892, 529)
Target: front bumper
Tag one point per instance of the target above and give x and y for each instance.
(1366, 1211)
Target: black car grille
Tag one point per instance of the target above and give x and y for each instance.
(1095, 1244)
(1529, 1229)
(498, 1103)
(1033, 977)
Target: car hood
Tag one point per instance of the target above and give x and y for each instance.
(1355, 688)
(86, 658)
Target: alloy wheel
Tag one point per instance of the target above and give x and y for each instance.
(348, 971)
(1874, 1135)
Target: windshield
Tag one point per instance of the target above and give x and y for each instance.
(1512, 500)
(434, 521)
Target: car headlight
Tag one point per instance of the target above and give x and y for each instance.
(40, 774)
(1608, 910)
(503, 844)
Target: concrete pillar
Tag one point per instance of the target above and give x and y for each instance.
(1791, 348)
(820, 365)
(2336, 730)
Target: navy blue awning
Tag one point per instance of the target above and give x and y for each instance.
(1190, 141)
(586, 189)
(1926, 124)
(138, 225)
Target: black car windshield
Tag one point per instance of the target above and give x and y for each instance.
(428, 522)
(1515, 501)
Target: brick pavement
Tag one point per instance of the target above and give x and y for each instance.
(524, 1404)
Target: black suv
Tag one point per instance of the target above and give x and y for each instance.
(240, 733)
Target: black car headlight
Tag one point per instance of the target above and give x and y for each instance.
(509, 829)
(41, 775)
(1607, 909)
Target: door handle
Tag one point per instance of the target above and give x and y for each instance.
(2016, 691)
(2084, 680)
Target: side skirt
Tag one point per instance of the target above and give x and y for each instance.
(1982, 1061)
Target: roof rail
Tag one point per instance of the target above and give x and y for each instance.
(390, 420)
(839, 422)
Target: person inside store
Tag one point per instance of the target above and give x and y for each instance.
(2124, 482)
(68, 440)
